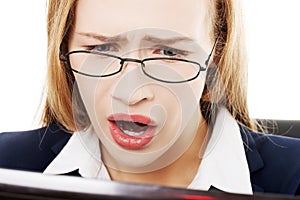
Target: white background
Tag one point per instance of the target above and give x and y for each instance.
(273, 41)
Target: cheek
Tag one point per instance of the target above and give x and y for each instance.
(94, 94)
(102, 104)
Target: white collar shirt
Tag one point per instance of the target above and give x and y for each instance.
(223, 166)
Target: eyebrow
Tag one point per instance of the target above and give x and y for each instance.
(167, 40)
(103, 38)
(147, 38)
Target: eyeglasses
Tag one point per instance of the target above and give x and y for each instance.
(164, 69)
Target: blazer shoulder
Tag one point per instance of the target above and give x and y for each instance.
(284, 149)
(31, 150)
(279, 157)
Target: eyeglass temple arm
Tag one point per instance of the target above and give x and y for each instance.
(212, 50)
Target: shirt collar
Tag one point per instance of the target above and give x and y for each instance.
(82, 152)
(223, 166)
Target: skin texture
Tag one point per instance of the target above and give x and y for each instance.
(172, 157)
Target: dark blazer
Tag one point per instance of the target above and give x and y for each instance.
(274, 161)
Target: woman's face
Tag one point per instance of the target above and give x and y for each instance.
(143, 124)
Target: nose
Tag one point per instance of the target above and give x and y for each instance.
(140, 95)
(132, 87)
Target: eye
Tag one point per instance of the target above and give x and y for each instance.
(104, 48)
(170, 52)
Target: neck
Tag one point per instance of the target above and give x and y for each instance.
(178, 174)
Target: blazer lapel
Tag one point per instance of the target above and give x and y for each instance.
(59, 145)
(254, 159)
(53, 137)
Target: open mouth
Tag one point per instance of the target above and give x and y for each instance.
(131, 131)
(135, 129)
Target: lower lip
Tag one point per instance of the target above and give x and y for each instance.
(131, 142)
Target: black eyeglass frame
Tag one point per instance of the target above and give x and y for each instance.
(66, 59)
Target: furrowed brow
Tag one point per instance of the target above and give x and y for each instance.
(103, 38)
(167, 41)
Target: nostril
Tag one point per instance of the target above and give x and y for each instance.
(139, 96)
(142, 95)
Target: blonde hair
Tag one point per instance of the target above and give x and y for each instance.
(227, 81)
(227, 87)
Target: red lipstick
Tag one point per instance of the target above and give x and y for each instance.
(131, 131)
